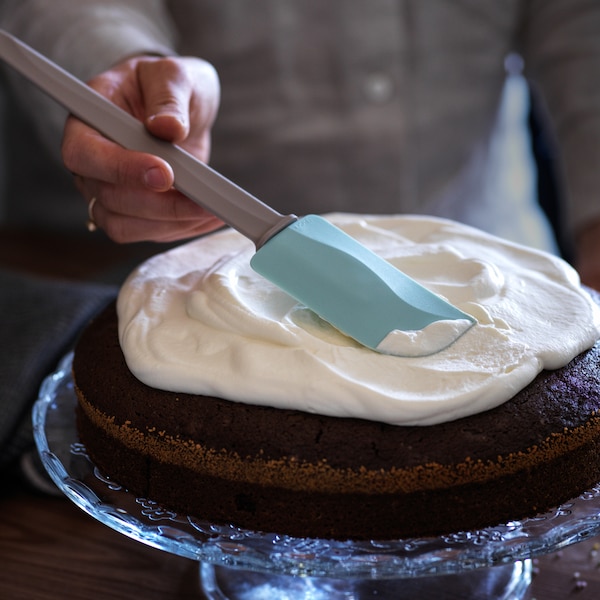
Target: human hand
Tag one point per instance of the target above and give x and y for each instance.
(131, 194)
(588, 255)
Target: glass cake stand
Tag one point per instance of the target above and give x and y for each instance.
(237, 564)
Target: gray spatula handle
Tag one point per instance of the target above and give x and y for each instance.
(204, 185)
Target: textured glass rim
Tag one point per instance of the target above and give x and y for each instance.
(145, 521)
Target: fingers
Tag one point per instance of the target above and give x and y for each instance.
(134, 197)
(135, 200)
(180, 98)
(122, 229)
(134, 214)
(167, 97)
(88, 154)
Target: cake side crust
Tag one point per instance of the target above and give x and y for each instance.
(296, 475)
(342, 515)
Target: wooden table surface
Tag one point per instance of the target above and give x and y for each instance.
(50, 549)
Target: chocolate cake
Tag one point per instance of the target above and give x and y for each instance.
(211, 391)
(292, 472)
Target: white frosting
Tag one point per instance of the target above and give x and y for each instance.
(197, 319)
(422, 342)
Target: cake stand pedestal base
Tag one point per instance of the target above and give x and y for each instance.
(505, 582)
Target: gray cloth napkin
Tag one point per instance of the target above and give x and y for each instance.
(39, 322)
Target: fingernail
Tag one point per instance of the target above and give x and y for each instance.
(175, 116)
(155, 178)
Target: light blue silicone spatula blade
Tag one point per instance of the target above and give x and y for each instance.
(357, 291)
(347, 285)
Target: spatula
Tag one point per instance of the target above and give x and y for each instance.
(315, 262)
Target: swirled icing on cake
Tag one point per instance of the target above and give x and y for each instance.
(197, 319)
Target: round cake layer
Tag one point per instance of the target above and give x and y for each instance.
(305, 474)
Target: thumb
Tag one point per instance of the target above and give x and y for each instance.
(166, 95)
